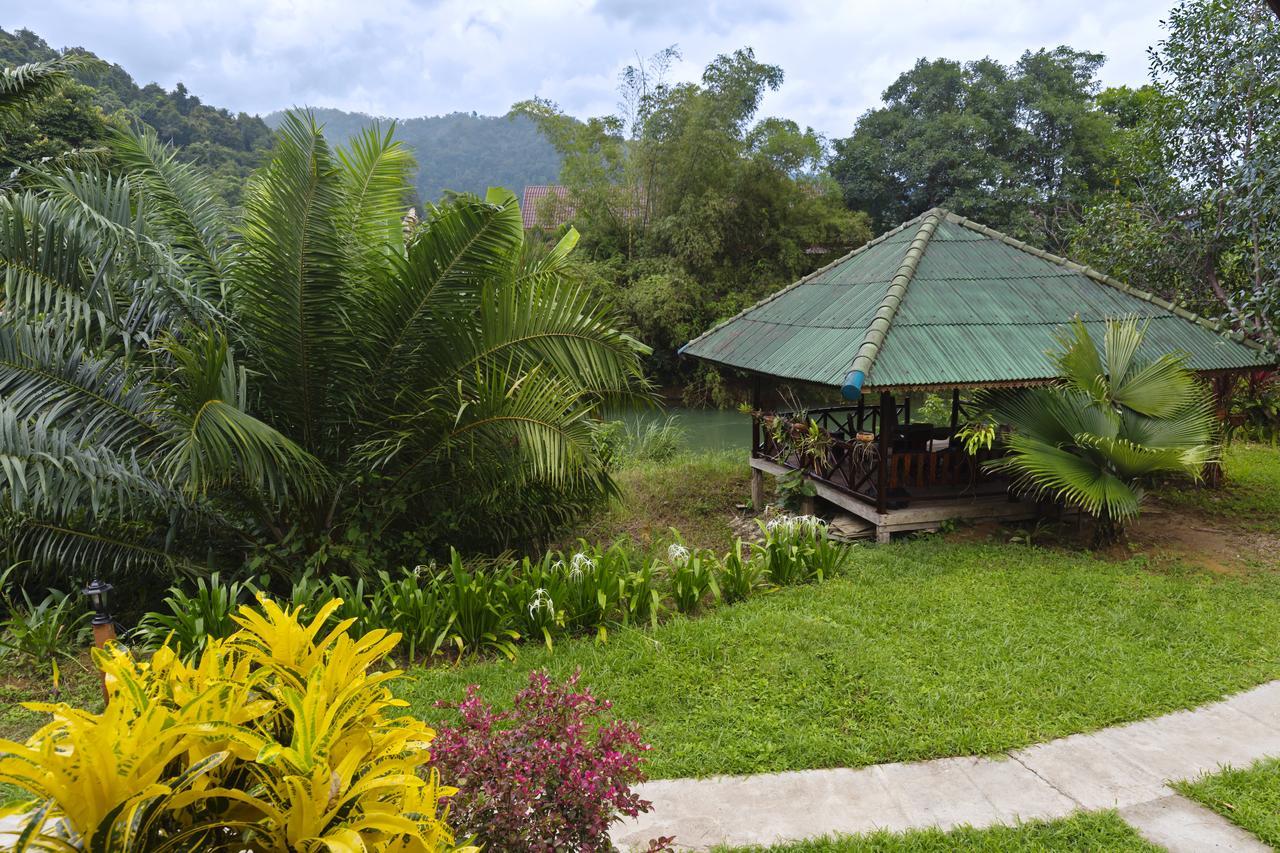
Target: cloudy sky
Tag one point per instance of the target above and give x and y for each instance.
(408, 58)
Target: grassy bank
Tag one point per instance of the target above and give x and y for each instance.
(1093, 831)
(922, 649)
(694, 493)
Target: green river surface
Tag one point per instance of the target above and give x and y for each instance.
(706, 430)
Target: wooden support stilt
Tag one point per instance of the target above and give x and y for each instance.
(886, 442)
(757, 490)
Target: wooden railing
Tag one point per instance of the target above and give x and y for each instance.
(852, 464)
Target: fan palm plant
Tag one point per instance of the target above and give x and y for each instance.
(182, 390)
(1116, 420)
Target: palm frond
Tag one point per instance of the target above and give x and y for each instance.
(460, 247)
(49, 374)
(51, 267)
(287, 283)
(216, 443)
(1079, 362)
(1120, 345)
(20, 85)
(83, 550)
(375, 175)
(178, 201)
(552, 325)
(1048, 470)
(1157, 388)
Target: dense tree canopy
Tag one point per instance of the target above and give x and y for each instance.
(1020, 148)
(1195, 214)
(691, 208)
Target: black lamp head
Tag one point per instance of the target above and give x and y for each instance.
(97, 595)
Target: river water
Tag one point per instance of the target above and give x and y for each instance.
(706, 430)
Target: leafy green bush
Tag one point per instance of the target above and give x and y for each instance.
(478, 599)
(417, 611)
(192, 620)
(693, 577)
(656, 441)
(798, 549)
(739, 575)
(37, 633)
(488, 606)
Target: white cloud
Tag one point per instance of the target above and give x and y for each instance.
(422, 57)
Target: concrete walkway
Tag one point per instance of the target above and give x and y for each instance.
(1124, 768)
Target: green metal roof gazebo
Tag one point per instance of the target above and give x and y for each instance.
(942, 302)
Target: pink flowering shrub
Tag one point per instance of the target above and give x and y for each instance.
(542, 776)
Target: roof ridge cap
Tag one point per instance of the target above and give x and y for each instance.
(1216, 326)
(874, 241)
(878, 328)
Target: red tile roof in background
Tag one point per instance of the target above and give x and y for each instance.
(536, 211)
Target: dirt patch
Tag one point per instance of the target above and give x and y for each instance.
(1164, 532)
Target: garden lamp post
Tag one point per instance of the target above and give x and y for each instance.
(104, 628)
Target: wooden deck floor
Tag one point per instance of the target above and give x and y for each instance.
(923, 513)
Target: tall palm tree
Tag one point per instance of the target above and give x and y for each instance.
(1116, 420)
(181, 390)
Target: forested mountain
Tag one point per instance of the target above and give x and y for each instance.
(464, 152)
(80, 114)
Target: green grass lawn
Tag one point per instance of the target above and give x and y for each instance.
(922, 649)
(1251, 497)
(1091, 831)
(1249, 798)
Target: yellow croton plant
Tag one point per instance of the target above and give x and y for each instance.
(274, 739)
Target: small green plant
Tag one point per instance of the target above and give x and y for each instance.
(793, 489)
(642, 603)
(813, 444)
(740, 573)
(191, 621)
(797, 549)
(35, 633)
(977, 435)
(414, 607)
(1028, 535)
(478, 600)
(693, 576)
(656, 441)
(595, 586)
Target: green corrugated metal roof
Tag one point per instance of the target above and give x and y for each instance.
(941, 301)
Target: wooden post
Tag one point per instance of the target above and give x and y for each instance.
(757, 443)
(955, 410)
(886, 442)
(103, 632)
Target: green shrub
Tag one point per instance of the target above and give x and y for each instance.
(479, 602)
(739, 576)
(656, 441)
(642, 602)
(797, 549)
(38, 633)
(417, 611)
(192, 620)
(693, 577)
